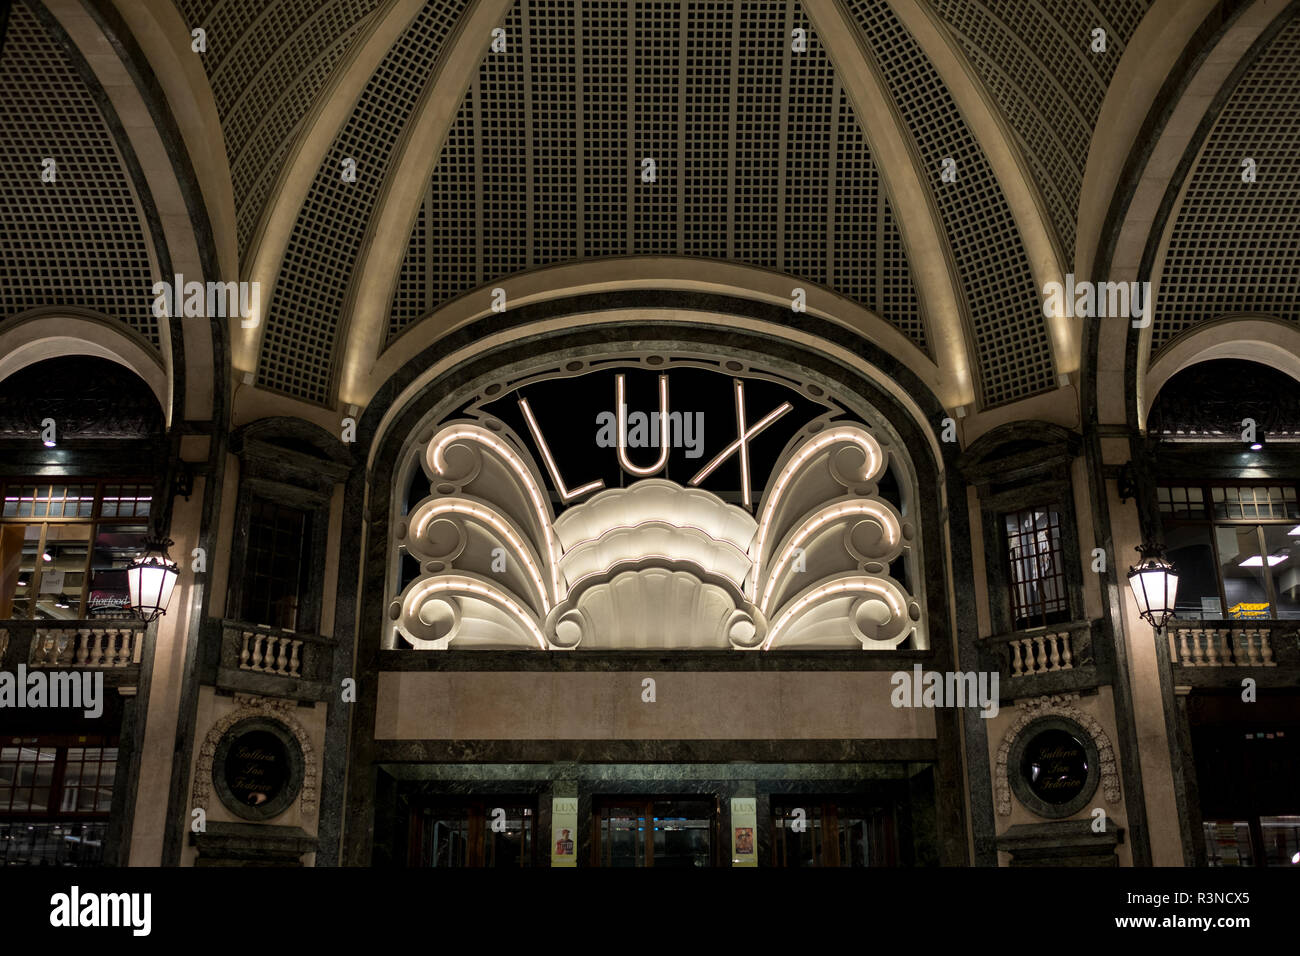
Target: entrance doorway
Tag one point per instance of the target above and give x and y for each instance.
(654, 831)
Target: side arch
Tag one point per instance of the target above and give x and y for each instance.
(57, 332)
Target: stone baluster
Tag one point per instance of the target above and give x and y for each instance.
(259, 660)
(1040, 660)
(243, 654)
(1183, 656)
(295, 668)
(1017, 669)
(1266, 649)
(1251, 636)
(281, 658)
(1054, 642)
(83, 646)
(1212, 646)
(1067, 648)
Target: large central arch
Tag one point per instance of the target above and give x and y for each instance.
(872, 384)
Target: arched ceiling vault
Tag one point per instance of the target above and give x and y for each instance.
(820, 168)
(1236, 70)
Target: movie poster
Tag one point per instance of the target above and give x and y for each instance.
(564, 831)
(744, 829)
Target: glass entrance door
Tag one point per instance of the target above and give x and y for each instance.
(654, 831)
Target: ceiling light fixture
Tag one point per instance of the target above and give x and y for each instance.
(1255, 561)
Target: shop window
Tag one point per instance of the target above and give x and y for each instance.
(1237, 550)
(474, 833)
(814, 831)
(65, 547)
(662, 832)
(1036, 564)
(276, 564)
(55, 798)
(1227, 843)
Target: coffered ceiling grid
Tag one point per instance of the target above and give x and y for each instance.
(79, 240)
(1233, 245)
(655, 53)
(1036, 60)
(780, 145)
(1005, 307)
(308, 295)
(266, 64)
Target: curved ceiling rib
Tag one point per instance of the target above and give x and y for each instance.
(1151, 52)
(307, 299)
(366, 306)
(780, 177)
(1004, 304)
(1008, 160)
(164, 42)
(304, 156)
(1219, 57)
(179, 235)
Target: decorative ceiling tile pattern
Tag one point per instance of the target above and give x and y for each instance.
(79, 240)
(1233, 247)
(266, 62)
(307, 301)
(1005, 308)
(1035, 58)
(757, 156)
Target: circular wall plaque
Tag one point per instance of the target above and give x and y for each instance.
(257, 769)
(1053, 767)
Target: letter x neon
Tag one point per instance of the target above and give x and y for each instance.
(741, 444)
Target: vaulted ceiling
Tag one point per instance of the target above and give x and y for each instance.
(922, 168)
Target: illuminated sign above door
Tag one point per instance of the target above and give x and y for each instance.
(628, 503)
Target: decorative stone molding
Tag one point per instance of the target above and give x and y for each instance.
(246, 706)
(1059, 705)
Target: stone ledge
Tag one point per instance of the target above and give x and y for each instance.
(1066, 843)
(251, 844)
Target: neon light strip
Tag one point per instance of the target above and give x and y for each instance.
(830, 513)
(482, 590)
(730, 450)
(492, 519)
(565, 493)
(516, 463)
(622, 429)
(879, 588)
(865, 442)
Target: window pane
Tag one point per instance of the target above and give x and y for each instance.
(18, 559)
(1190, 549)
(514, 845)
(116, 546)
(798, 840)
(1227, 843)
(446, 838)
(275, 565)
(1037, 566)
(52, 844)
(681, 834)
(1243, 572)
(1281, 839)
(126, 501)
(622, 838)
(63, 574)
(1283, 558)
